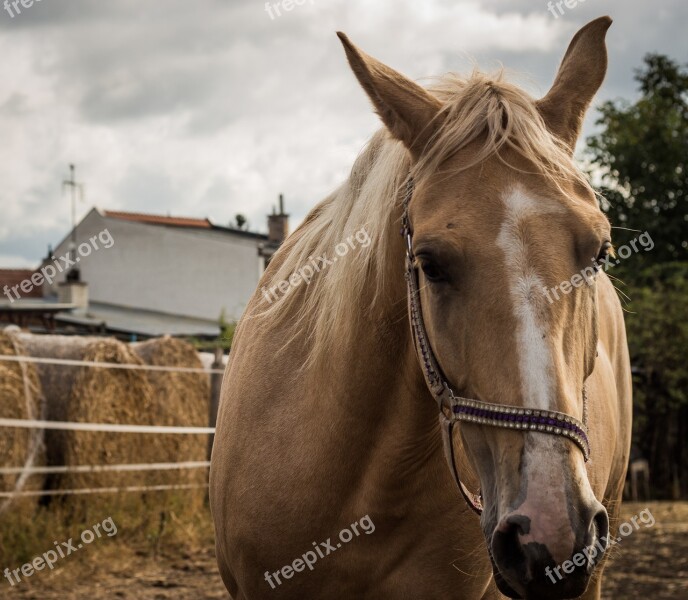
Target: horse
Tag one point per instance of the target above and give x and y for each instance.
(485, 333)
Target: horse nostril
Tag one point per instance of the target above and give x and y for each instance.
(506, 545)
(514, 525)
(519, 523)
(601, 524)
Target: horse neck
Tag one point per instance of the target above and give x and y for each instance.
(376, 373)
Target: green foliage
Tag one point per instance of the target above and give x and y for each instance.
(642, 155)
(657, 331)
(223, 340)
(227, 329)
(659, 299)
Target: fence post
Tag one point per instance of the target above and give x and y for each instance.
(215, 385)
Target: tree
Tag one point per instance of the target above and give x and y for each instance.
(240, 221)
(657, 328)
(642, 155)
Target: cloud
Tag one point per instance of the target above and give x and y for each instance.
(211, 108)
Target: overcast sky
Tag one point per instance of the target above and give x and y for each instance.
(211, 107)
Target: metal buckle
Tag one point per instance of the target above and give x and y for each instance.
(409, 245)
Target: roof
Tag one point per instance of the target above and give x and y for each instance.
(159, 219)
(14, 277)
(149, 323)
(240, 232)
(34, 306)
(186, 222)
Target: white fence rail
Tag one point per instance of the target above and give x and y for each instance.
(68, 362)
(161, 466)
(106, 428)
(103, 490)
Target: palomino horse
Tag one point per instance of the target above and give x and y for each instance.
(328, 478)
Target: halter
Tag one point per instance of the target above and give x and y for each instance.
(453, 408)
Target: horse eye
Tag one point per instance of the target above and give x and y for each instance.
(431, 271)
(605, 251)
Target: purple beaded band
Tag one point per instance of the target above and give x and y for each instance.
(546, 421)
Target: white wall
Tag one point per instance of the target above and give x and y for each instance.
(195, 273)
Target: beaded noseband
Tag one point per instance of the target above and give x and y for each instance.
(454, 408)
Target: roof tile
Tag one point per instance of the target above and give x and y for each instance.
(159, 219)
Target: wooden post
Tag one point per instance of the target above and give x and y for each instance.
(215, 386)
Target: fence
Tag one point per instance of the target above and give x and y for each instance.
(214, 372)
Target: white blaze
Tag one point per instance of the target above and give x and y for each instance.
(525, 290)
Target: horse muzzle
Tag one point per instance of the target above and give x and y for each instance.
(525, 566)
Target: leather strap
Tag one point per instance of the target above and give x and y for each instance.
(453, 408)
(435, 382)
(474, 501)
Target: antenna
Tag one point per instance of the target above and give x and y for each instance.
(73, 274)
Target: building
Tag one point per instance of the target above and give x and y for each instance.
(139, 275)
(278, 229)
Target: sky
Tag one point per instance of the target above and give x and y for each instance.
(209, 108)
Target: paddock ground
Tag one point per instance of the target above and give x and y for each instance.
(651, 563)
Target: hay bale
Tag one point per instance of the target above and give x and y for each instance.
(182, 398)
(122, 396)
(97, 395)
(20, 398)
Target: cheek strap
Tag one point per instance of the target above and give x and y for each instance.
(454, 408)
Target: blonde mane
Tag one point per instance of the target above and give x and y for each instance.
(482, 110)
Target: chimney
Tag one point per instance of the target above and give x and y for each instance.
(73, 292)
(278, 224)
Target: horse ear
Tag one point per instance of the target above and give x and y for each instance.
(580, 75)
(407, 109)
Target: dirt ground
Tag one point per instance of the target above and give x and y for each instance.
(651, 563)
